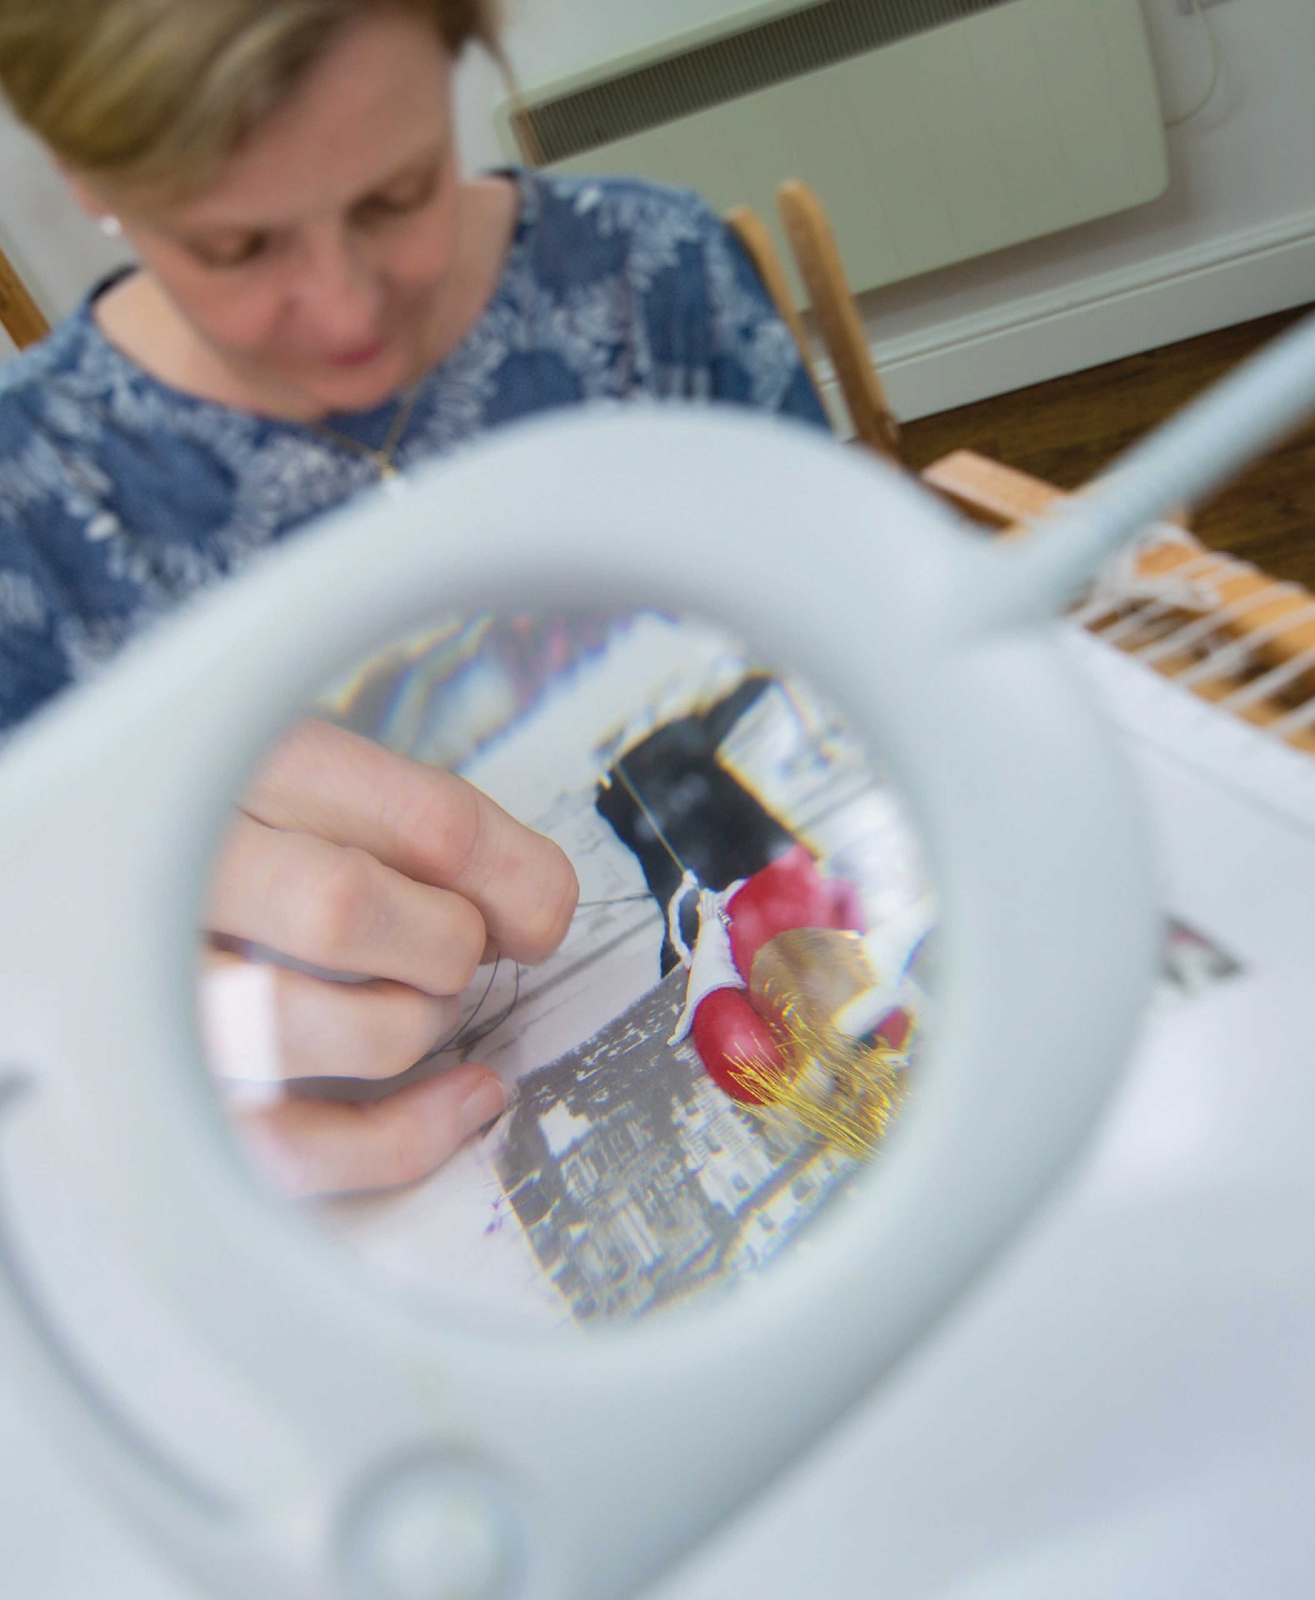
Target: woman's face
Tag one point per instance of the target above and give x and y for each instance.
(316, 262)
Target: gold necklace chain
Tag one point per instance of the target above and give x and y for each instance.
(383, 456)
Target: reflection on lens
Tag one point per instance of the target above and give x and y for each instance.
(725, 1034)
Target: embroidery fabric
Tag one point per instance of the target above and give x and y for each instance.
(120, 497)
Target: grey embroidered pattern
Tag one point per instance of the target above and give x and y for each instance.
(119, 496)
(21, 602)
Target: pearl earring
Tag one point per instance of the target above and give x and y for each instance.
(111, 227)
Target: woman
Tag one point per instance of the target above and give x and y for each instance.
(323, 301)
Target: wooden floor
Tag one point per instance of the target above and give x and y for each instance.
(1066, 431)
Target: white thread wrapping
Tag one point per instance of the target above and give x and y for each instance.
(1192, 634)
(1121, 582)
(1295, 722)
(1275, 679)
(1238, 654)
(712, 967)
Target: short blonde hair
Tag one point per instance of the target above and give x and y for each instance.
(162, 92)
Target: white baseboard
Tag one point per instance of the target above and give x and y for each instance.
(1097, 319)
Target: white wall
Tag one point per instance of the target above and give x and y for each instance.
(57, 251)
(1234, 236)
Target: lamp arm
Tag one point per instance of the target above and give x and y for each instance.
(1196, 451)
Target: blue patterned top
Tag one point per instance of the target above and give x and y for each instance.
(120, 496)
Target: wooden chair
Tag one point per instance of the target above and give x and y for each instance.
(817, 256)
(1251, 651)
(21, 316)
(753, 234)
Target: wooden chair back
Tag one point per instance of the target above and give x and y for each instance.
(813, 245)
(19, 313)
(817, 256)
(753, 234)
(1251, 651)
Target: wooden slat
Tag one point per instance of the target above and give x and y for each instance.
(750, 229)
(22, 317)
(989, 492)
(1068, 429)
(818, 258)
(1005, 498)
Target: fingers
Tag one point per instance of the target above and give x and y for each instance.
(351, 859)
(310, 1147)
(263, 1023)
(425, 824)
(339, 908)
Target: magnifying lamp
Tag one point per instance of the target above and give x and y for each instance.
(344, 1444)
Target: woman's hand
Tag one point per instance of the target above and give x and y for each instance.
(348, 858)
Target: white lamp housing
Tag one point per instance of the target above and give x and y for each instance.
(335, 1441)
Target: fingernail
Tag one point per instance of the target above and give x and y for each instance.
(482, 1106)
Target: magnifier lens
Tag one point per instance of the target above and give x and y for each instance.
(712, 1053)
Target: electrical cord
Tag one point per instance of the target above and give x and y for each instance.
(1212, 44)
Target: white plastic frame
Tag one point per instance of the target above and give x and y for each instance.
(618, 1451)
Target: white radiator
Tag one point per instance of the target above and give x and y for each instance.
(934, 130)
